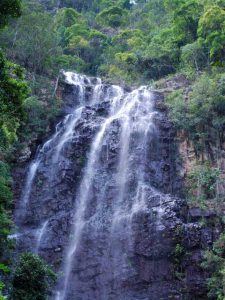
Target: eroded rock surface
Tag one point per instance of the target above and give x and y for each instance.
(145, 244)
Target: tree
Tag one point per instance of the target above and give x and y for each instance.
(79, 41)
(14, 91)
(9, 8)
(32, 41)
(66, 17)
(162, 53)
(32, 278)
(211, 32)
(114, 17)
(202, 183)
(185, 16)
(194, 57)
(214, 263)
(202, 116)
(80, 5)
(5, 202)
(103, 4)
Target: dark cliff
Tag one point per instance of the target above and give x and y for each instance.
(155, 252)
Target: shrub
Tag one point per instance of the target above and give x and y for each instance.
(32, 278)
(202, 182)
(113, 17)
(214, 263)
(5, 201)
(201, 112)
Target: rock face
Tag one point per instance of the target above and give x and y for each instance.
(97, 201)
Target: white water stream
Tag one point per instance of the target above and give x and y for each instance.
(129, 126)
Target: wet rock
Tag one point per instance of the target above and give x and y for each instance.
(127, 247)
(24, 155)
(197, 213)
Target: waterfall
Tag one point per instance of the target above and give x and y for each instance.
(63, 133)
(88, 186)
(40, 235)
(134, 112)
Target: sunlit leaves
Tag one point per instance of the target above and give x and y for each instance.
(211, 31)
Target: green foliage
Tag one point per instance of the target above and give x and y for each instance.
(13, 91)
(4, 268)
(211, 31)
(162, 35)
(123, 55)
(32, 278)
(69, 62)
(127, 58)
(179, 253)
(215, 264)
(76, 37)
(202, 183)
(64, 20)
(124, 43)
(79, 5)
(162, 53)
(82, 44)
(178, 257)
(2, 285)
(193, 57)
(102, 4)
(9, 8)
(185, 16)
(5, 202)
(5, 195)
(34, 41)
(202, 115)
(5, 221)
(113, 17)
(178, 110)
(41, 109)
(66, 17)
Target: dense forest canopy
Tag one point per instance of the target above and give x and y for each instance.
(121, 40)
(127, 42)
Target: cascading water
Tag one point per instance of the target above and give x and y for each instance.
(64, 132)
(40, 235)
(133, 112)
(89, 190)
